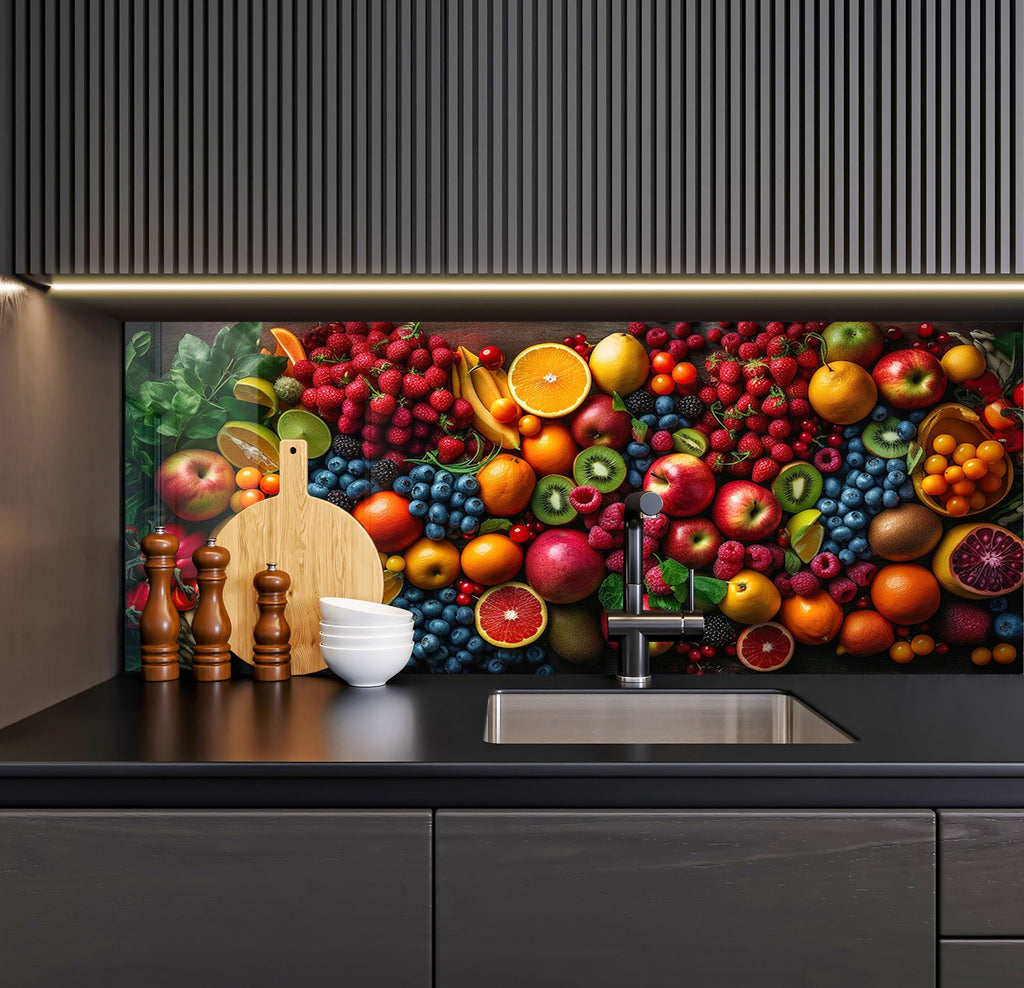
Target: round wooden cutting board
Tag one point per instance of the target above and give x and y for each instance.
(325, 551)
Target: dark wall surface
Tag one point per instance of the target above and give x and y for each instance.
(510, 136)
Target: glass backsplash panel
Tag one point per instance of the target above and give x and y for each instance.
(845, 497)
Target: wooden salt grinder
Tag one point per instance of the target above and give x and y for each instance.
(271, 650)
(160, 623)
(211, 625)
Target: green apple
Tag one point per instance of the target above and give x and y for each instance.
(859, 342)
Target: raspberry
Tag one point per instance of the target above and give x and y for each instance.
(371, 450)
(681, 330)
(615, 561)
(450, 449)
(729, 371)
(347, 425)
(799, 408)
(656, 337)
(339, 343)
(778, 555)
(842, 589)
(321, 355)
(758, 557)
(441, 399)
(731, 342)
(637, 328)
(304, 370)
(329, 397)
(340, 374)
(783, 584)
(611, 516)
(707, 395)
(775, 328)
(731, 551)
(435, 341)
(828, 460)
(420, 359)
(423, 412)
(695, 342)
(462, 412)
(715, 335)
(662, 441)
(862, 573)
(748, 329)
(747, 351)
(599, 539)
(650, 546)
(308, 398)
(677, 350)
(805, 583)
(375, 338)
(357, 328)
(656, 582)
(725, 570)
(442, 356)
(372, 433)
(414, 386)
(763, 470)
(435, 377)
(807, 358)
(656, 526)
(353, 409)
(826, 565)
(585, 499)
(397, 435)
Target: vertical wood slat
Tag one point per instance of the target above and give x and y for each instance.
(516, 136)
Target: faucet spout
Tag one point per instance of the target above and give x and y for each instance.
(638, 505)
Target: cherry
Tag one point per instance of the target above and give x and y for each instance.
(491, 357)
(568, 341)
(806, 437)
(943, 338)
(519, 534)
(708, 651)
(730, 649)
(463, 600)
(694, 655)
(801, 449)
(580, 338)
(893, 333)
(835, 440)
(925, 330)
(808, 425)
(934, 348)
(582, 349)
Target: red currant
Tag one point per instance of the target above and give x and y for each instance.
(463, 600)
(925, 330)
(806, 437)
(708, 651)
(582, 349)
(519, 533)
(536, 527)
(801, 449)
(943, 338)
(580, 338)
(808, 425)
(893, 333)
(492, 357)
(464, 586)
(835, 440)
(568, 341)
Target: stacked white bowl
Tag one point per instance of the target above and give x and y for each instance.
(362, 642)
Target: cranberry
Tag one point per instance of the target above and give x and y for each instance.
(464, 586)
(582, 349)
(808, 425)
(708, 651)
(925, 330)
(806, 437)
(893, 333)
(941, 647)
(463, 600)
(568, 341)
(801, 449)
(694, 655)
(934, 348)
(943, 338)
(835, 440)
(537, 527)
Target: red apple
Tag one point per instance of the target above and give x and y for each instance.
(746, 511)
(909, 379)
(859, 342)
(693, 542)
(196, 484)
(596, 423)
(562, 567)
(685, 483)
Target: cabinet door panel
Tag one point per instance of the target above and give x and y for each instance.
(670, 898)
(170, 899)
(981, 963)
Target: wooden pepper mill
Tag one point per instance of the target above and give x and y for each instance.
(211, 625)
(160, 622)
(271, 650)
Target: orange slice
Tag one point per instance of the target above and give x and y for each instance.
(511, 615)
(288, 345)
(549, 380)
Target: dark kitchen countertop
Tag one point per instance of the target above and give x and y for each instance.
(943, 740)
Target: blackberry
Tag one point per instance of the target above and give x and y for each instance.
(347, 446)
(718, 630)
(689, 407)
(639, 403)
(384, 472)
(341, 499)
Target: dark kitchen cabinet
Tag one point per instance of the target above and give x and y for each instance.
(257, 898)
(698, 898)
(981, 963)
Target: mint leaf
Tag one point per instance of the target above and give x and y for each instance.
(662, 603)
(495, 525)
(611, 592)
(708, 590)
(676, 575)
(793, 562)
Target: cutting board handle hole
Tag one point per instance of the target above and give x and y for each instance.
(292, 450)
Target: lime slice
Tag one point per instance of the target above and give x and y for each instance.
(297, 423)
(259, 392)
(805, 534)
(246, 444)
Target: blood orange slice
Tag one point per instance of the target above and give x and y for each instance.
(765, 647)
(511, 615)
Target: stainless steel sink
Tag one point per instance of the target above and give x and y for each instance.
(655, 717)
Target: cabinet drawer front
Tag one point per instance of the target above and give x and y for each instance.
(664, 898)
(981, 873)
(255, 898)
(981, 963)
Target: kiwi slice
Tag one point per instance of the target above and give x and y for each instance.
(797, 487)
(600, 467)
(550, 500)
(689, 441)
(883, 440)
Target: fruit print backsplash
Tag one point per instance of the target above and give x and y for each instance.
(846, 497)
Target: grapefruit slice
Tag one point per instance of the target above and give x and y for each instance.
(765, 647)
(511, 615)
(549, 380)
(246, 444)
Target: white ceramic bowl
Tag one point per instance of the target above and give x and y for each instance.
(345, 610)
(336, 628)
(367, 641)
(361, 666)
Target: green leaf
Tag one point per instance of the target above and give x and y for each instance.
(708, 590)
(793, 562)
(189, 380)
(157, 395)
(193, 353)
(263, 365)
(186, 403)
(611, 592)
(915, 454)
(207, 424)
(238, 340)
(639, 430)
(618, 405)
(137, 348)
(676, 575)
(170, 426)
(662, 603)
(233, 409)
(495, 525)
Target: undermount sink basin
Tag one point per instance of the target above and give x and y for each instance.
(655, 717)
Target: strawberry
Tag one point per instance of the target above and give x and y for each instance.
(781, 452)
(711, 363)
(747, 403)
(321, 355)
(329, 397)
(390, 381)
(761, 340)
(398, 350)
(754, 369)
(778, 346)
(728, 393)
(340, 374)
(783, 369)
(799, 408)
(375, 338)
(414, 386)
(731, 418)
(423, 412)
(462, 412)
(402, 417)
(797, 389)
(442, 356)
(708, 395)
(339, 343)
(740, 468)
(764, 469)
(383, 404)
(358, 390)
(441, 399)
(779, 428)
(758, 386)
(722, 441)
(308, 398)
(449, 449)
(747, 351)
(377, 418)
(436, 377)
(362, 363)
(303, 371)
(353, 409)
(750, 443)
(729, 372)
(436, 342)
(775, 406)
(807, 358)
(747, 329)
(421, 429)
(420, 359)
(715, 461)
(758, 423)
(347, 425)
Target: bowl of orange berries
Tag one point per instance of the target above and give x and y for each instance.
(963, 469)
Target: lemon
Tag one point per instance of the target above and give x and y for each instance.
(963, 363)
(619, 363)
(259, 392)
(842, 392)
(246, 444)
(751, 598)
(805, 534)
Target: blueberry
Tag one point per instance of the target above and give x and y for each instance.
(998, 604)
(535, 654)
(440, 492)
(873, 497)
(852, 497)
(855, 459)
(833, 522)
(448, 595)
(452, 665)
(649, 420)
(893, 465)
(423, 473)
(432, 608)
(864, 481)
(430, 643)
(402, 485)
(439, 627)
(906, 491)
(906, 429)
(895, 480)
(467, 484)
(418, 508)
(875, 466)
(634, 478)
(842, 534)
(464, 615)
(856, 445)
(664, 404)
(417, 651)
(450, 614)
(847, 557)
(829, 546)
(413, 594)
(851, 431)
(855, 519)
(474, 506)
(636, 449)
(434, 531)
(358, 467)
(833, 487)
(444, 477)
(438, 514)
(455, 517)
(317, 490)
(545, 670)
(476, 644)
(668, 422)
(464, 657)
(643, 465)
(326, 478)
(336, 464)
(401, 601)
(917, 415)
(457, 500)
(858, 544)
(827, 506)
(375, 487)
(469, 524)
(1008, 626)
(890, 499)
(417, 634)
(420, 491)
(879, 413)
(460, 636)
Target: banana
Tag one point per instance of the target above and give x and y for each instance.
(456, 382)
(483, 383)
(484, 422)
(501, 379)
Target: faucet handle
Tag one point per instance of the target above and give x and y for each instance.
(641, 503)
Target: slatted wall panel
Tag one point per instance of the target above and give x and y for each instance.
(518, 136)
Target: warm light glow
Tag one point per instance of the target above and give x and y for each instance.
(554, 285)
(8, 287)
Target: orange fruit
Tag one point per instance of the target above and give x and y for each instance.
(866, 633)
(271, 484)
(551, 450)
(963, 363)
(842, 392)
(506, 485)
(385, 516)
(751, 598)
(431, 565)
(491, 559)
(549, 380)
(511, 615)
(248, 478)
(288, 345)
(905, 593)
(813, 620)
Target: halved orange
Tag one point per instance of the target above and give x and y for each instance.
(511, 615)
(246, 444)
(549, 380)
(288, 345)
